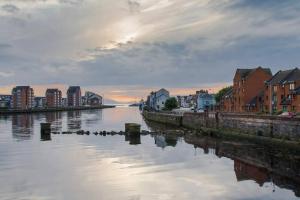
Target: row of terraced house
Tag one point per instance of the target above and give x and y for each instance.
(257, 90)
(23, 98)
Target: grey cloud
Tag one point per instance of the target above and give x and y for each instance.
(183, 44)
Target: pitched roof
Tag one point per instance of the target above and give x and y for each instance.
(246, 72)
(286, 75)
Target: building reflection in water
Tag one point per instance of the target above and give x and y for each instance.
(165, 140)
(22, 126)
(74, 120)
(92, 117)
(254, 162)
(55, 119)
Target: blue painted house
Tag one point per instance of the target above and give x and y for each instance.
(205, 101)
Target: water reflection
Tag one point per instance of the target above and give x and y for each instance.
(166, 163)
(22, 126)
(165, 140)
(133, 139)
(55, 119)
(74, 120)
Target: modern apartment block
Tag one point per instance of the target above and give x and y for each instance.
(74, 96)
(92, 99)
(247, 87)
(22, 97)
(53, 98)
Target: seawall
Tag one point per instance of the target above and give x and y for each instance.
(59, 109)
(264, 125)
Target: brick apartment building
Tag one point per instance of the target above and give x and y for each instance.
(74, 96)
(248, 85)
(227, 103)
(22, 97)
(53, 98)
(282, 92)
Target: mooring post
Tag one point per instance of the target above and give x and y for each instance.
(45, 131)
(132, 129)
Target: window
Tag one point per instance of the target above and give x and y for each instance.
(292, 86)
(274, 88)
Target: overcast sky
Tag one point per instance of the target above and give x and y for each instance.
(132, 46)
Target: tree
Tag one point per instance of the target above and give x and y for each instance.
(221, 93)
(171, 103)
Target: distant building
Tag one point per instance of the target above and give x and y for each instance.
(53, 98)
(64, 102)
(282, 92)
(156, 100)
(39, 102)
(74, 96)
(247, 86)
(22, 97)
(92, 99)
(183, 101)
(5, 101)
(205, 101)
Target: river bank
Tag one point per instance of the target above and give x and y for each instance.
(60, 109)
(233, 125)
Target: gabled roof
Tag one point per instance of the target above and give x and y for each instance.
(246, 72)
(285, 75)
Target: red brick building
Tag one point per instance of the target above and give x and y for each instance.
(227, 103)
(22, 97)
(53, 98)
(282, 92)
(248, 85)
(74, 96)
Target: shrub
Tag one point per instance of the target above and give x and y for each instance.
(171, 103)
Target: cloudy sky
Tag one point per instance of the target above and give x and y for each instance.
(125, 48)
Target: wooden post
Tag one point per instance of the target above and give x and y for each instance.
(132, 129)
(45, 131)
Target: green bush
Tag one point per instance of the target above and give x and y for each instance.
(171, 103)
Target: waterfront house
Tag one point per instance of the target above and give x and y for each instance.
(53, 98)
(156, 100)
(282, 92)
(247, 86)
(205, 101)
(22, 97)
(92, 99)
(74, 96)
(183, 101)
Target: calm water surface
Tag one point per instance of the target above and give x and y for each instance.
(97, 167)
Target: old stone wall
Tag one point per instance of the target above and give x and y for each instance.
(269, 126)
(165, 118)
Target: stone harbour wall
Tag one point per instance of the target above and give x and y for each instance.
(166, 118)
(259, 125)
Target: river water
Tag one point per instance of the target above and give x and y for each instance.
(157, 166)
